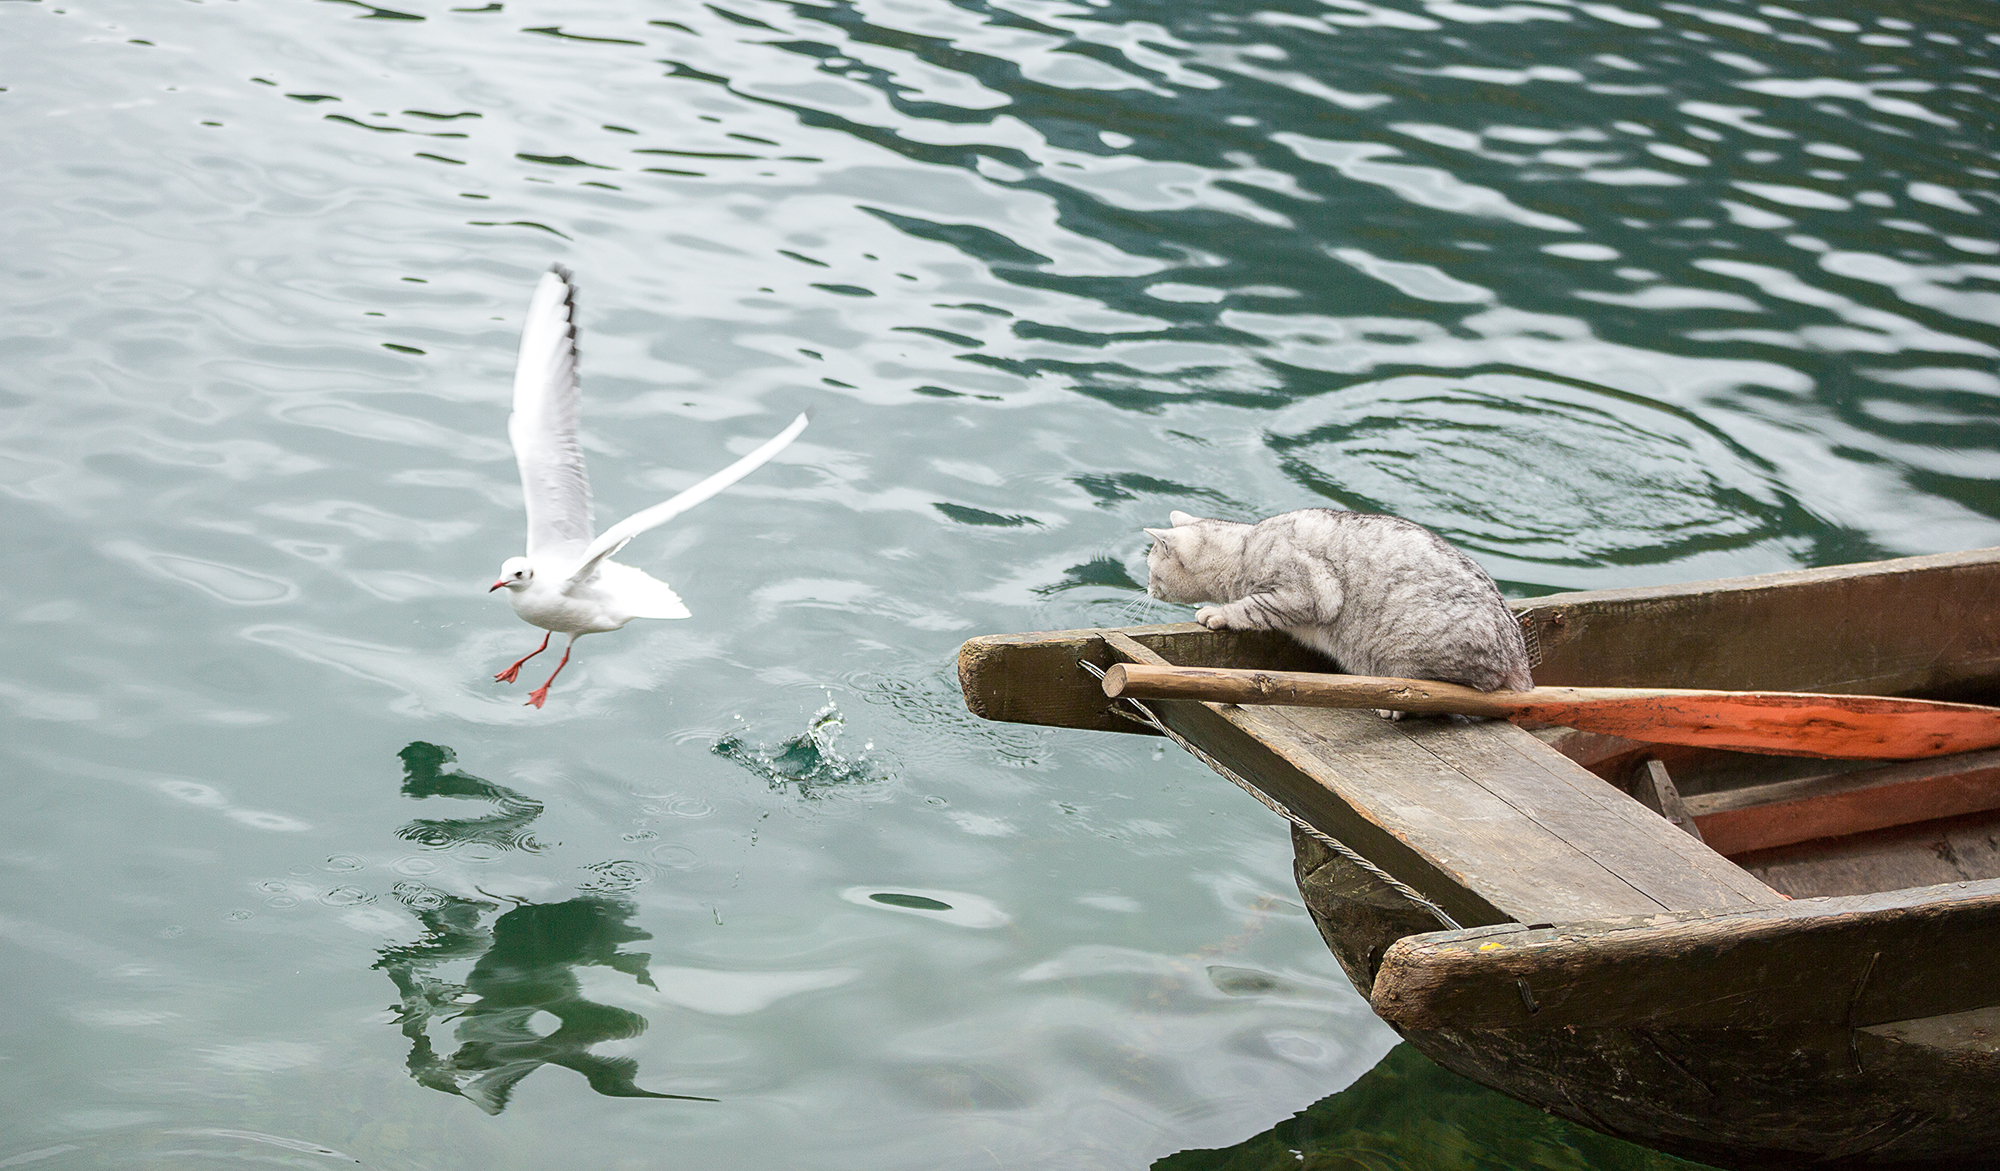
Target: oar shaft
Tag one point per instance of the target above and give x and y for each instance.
(1305, 689)
(1792, 723)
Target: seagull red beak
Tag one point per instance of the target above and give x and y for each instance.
(496, 585)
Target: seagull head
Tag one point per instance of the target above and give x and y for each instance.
(515, 574)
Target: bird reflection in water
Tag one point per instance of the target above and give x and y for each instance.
(524, 960)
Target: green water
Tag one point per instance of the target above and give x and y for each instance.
(1609, 294)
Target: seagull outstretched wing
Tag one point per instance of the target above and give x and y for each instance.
(543, 425)
(614, 538)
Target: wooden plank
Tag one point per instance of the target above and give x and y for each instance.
(1034, 678)
(1284, 770)
(1476, 838)
(1601, 754)
(1975, 1032)
(1621, 835)
(1759, 817)
(1852, 961)
(1490, 833)
(1872, 628)
(1928, 853)
(1655, 789)
(1916, 625)
(1132, 651)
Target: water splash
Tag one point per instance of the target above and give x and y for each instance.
(809, 763)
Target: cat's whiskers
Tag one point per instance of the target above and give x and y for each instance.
(1142, 606)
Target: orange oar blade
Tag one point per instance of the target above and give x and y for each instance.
(1845, 727)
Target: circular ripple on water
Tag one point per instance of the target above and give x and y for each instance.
(689, 807)
(429, 836)
(618, 875)
(674, 857)
(1533, 469)
(418, 897)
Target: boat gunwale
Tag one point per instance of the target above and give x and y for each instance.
(1850, 960)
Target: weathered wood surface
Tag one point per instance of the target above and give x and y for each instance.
(1851, 961)
(1034, 678)
(1910, 1092)
(1481, 818)
(1917, 625)
(1305, 689)
(1358, 915)
(1823, 1097)
(1913, 626)
(1835, 1094)
(1928, 853)
(1974, 1031)
(1759, 817)
(1789, 723)
(1654, 788)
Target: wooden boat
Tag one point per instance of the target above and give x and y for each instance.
(1760, 962)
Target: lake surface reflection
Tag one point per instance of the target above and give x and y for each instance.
(1609, 293)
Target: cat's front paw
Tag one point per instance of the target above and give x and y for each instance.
(1386, 714)
(1212, 617)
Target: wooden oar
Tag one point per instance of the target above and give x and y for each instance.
(1784, 723)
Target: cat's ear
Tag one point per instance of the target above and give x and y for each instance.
(1158, 534)
(1181, 518)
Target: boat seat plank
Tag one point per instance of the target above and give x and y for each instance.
(1926, 853)
(1466, 808)
(1756, 817)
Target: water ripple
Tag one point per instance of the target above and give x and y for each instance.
(1612, 293)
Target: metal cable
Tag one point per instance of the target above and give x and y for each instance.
(1152, 721)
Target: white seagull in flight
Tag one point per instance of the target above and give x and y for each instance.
(568, 583)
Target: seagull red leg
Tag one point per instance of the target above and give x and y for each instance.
(509, 675)
(541, 693)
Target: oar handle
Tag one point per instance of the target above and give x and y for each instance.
(1305, 689)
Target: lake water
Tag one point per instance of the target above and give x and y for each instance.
(1610, 294)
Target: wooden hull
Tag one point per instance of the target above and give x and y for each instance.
(1819, 985)
(1916, 1094)
(1923, 1090)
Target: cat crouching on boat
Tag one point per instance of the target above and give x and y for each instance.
(1378, 595)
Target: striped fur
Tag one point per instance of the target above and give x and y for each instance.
(1379, 595)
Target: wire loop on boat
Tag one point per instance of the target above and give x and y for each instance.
(1145, 716)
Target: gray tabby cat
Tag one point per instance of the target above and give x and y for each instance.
(1379, 595)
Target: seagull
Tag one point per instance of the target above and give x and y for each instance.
(567, 583)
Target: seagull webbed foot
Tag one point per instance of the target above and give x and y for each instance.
(541, 693)
(513, 672)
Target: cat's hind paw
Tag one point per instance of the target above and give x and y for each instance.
(1386, 714)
